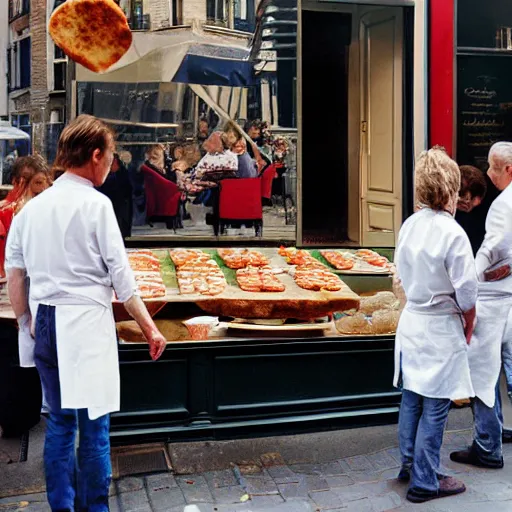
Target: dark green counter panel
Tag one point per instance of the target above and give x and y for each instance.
(303, 381)
(254, 387)
(150, 390)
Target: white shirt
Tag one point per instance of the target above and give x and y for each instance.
(435, 263)
(496, 249)
(69, 242)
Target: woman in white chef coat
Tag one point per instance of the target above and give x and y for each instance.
(435, 264)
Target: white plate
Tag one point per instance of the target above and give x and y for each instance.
(287, 327)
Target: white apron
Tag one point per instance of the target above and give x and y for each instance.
(88, 359)
(26, 343)
(432, 353)
(485, 348)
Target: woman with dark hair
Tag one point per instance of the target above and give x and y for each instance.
(476, 195)
(473, 188)
(257, 149)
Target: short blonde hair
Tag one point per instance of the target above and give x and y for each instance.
(437, 179)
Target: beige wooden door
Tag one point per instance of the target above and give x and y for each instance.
(381, 35)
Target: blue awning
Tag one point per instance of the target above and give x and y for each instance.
(216, 65)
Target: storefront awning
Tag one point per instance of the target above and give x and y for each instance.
(183, 55)
(216, 65)
(9, 132)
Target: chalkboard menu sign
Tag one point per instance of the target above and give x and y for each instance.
(484, 106)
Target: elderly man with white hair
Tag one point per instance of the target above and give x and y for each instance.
(493, 263)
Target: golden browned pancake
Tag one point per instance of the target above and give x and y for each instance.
(94, 33)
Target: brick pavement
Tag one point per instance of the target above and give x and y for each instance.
(363, 483)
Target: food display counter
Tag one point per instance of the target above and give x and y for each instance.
(282, 361)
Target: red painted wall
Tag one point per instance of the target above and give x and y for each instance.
(441, 73)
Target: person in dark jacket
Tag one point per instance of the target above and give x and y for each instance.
(475, 198)
(118, 189)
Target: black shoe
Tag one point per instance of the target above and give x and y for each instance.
(506, 436)
(404, 475)
(470, 457)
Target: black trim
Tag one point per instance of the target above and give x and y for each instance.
(408, 116)
(494, 52)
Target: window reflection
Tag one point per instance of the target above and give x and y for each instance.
(180, 155)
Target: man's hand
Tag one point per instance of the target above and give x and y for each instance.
(497, 274)
(157, 344)
(138, 311)
(469, 318)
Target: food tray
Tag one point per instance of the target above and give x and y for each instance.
(294, 302)
(360, 267)
(278, 328)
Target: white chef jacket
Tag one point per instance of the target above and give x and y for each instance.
(68, 241)
(496, 249)
(435, 263)
(494, 299)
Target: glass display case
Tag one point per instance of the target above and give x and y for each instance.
(271, 349)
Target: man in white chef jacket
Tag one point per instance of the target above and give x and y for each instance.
(493, 312)
(67, 242)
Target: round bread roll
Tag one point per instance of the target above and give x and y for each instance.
(379, 301)
(353, 324)
(385, 321)
(172, 330)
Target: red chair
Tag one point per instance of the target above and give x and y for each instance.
(267, 177)
(162, 197)
(239, 201)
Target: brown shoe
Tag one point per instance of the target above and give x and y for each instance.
(448, 486)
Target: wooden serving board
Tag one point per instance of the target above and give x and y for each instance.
(278, 328)
(294, 302)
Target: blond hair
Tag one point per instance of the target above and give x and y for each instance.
(156, 155)
(437, 179)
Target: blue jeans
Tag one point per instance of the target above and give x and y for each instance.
(421, 426)
(72, 483)
(488, 429)
(506, 357)
(77, 483)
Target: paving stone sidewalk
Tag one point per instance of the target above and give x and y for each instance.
(356, 484)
